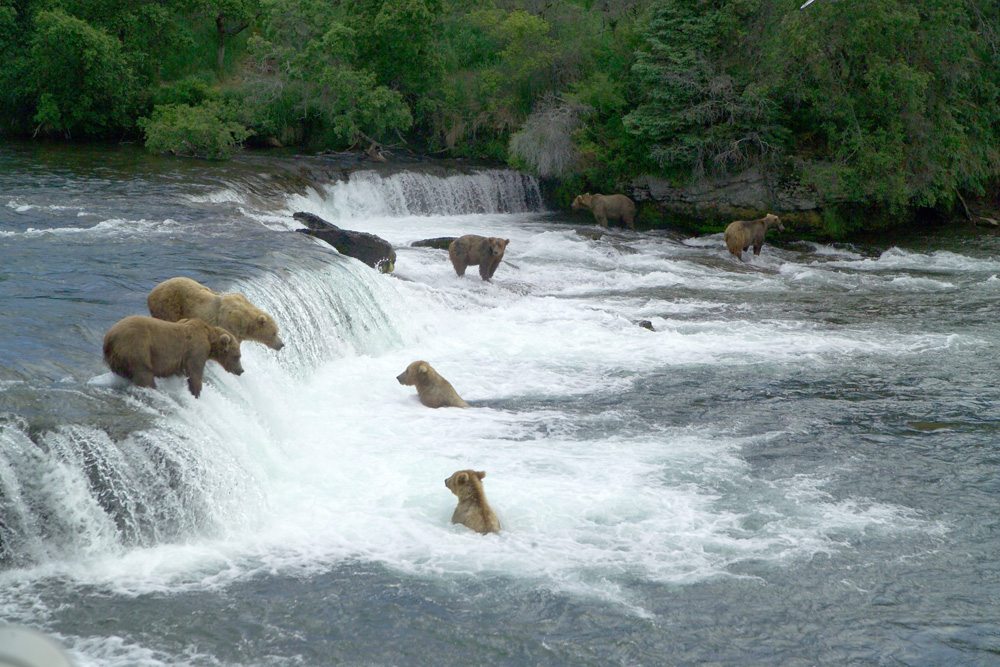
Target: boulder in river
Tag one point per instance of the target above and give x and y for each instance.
(373, 250)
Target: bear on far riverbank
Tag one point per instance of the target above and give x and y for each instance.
(605, 207)
(180, 298)
(140, 348)
(470, 250)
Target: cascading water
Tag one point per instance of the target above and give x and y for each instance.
(806, 435)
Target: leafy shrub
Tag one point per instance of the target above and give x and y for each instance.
(82, 81)
(208, 130)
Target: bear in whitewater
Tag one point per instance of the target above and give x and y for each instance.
(140, 348)
(741, 234)
(473, 511)
(180, 298)
(434, 391)
(472, 250)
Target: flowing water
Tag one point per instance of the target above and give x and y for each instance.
(797, 465)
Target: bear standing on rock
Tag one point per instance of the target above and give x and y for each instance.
(605, 207)
(180, 298)
(140, 348)
(434, 391)
(470, 250)
(741, 234)
(473, 511)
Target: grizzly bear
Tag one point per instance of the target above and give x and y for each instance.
(179, 298)
(741, 234)
(141, 348)
(434, 391)
(473, 511)
(605, 207)
(470, 250)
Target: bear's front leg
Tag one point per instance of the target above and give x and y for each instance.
(194, 381)
(486, 270)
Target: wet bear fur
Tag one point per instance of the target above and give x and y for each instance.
(607, 207)
(180, 298)
(140, 348)
(434, 391)
(473, 511)
(470, 250)
(741, 234)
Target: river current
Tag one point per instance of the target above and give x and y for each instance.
(799, 464)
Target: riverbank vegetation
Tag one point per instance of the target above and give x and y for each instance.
(881, 105)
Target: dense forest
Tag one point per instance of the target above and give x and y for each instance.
(873, 105)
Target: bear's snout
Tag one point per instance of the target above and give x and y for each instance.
(402, 378)
(276, 344)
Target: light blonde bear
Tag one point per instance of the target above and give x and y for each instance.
(473, 511)
(434, 391)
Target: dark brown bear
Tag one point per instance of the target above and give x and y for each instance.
(470, 250)
(473, 511)
(741, 234)
(141, 348)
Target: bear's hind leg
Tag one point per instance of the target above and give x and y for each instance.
(142, 377)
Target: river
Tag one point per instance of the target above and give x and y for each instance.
(797, 465)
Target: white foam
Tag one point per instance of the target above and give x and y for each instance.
(317, 455)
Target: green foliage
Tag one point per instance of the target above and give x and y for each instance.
(16, 103)
(881, 105)
(898, 99)
(209, 130)
(80, 79)
(400, 46)
(704, 109)
(306, 71)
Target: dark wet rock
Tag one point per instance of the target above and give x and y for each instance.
(441, 242)
(373, 250)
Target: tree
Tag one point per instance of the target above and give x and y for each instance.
(897, 102)
(81, 81)
(705, 109)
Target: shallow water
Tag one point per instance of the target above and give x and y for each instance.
(798, 465)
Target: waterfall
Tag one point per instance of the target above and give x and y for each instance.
(152, 466)
(370, 194)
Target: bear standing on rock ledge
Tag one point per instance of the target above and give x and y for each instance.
(470, 250)
(179, 298)
(140, 348)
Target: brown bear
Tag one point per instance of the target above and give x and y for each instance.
(473, 510)
(605, 207)
(741, 234)
(434, 391)
(180, 298)
(141, 348)
(470, 250)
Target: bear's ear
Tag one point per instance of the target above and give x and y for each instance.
(261, 320)
(224, 339)
(481, 474)
(463, 478)
(505, 242)
(422, 368)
